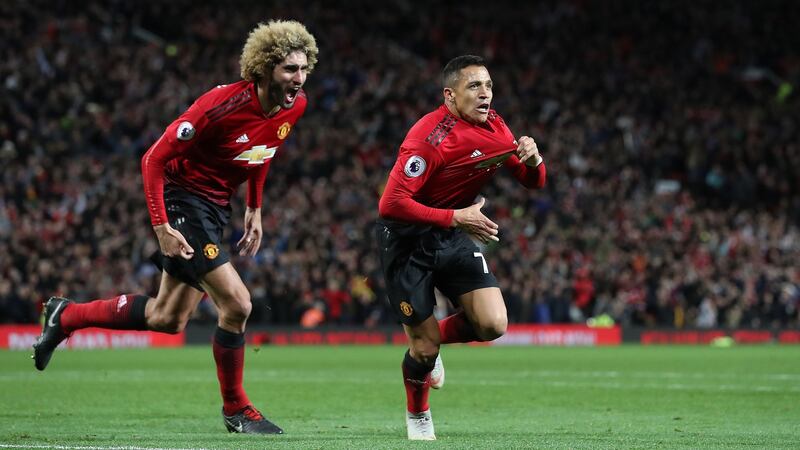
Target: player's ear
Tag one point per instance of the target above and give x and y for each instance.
(449, 95)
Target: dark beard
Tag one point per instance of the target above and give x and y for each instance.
(276, 94)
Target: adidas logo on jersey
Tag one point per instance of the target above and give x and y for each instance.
(243, 139)
(476, 154)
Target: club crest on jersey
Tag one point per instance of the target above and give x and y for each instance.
(283, 130)
(406, 308)
(185, 131)
(257, 154)
(415, 166)
(211, 251)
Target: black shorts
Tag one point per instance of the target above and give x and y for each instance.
(201, 222)
(416, 260)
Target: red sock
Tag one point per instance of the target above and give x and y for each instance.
(417, 380)
(456, 328)
(124, 312)
(228, 351)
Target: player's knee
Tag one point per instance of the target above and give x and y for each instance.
(493, 329)
(237, 308)
(166, 324)
(241, 311)
(425, 352)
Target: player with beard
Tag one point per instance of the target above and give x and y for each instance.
(229, 135)
(427, 218)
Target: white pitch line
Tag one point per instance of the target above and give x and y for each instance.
(82, 447)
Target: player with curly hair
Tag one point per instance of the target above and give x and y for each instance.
(228, 136)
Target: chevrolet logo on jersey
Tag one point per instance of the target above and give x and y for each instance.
(496, 161)
(257, 154)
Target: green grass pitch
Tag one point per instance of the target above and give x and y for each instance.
(352, 397)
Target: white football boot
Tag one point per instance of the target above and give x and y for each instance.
(420, 426)
(437, 374)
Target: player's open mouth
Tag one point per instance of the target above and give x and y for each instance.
(483, 108)
(291, 94)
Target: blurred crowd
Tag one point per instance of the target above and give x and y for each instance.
(669, 130)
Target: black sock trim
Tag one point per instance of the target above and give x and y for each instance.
(227, 339)
(415, 368)
(136, 315)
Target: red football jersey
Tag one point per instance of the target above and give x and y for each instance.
(223, 139)
(443, 164)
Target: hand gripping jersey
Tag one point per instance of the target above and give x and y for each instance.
(223, 139)
(443, 164)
